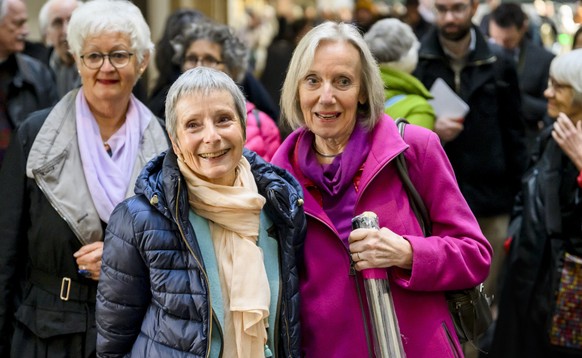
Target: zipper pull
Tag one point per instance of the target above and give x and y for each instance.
(268, 353)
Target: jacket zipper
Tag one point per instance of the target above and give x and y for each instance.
(284, 315)
(210, 311)
(219, 332)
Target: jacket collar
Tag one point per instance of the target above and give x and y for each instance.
(161, 182)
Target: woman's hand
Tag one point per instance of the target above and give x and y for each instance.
(569, 138)
(382, 248)
(89, 260)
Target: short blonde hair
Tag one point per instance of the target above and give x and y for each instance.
(372, 85)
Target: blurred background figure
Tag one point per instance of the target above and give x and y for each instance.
(547, 25)
(279, 54)
(169, 71)
(508, 26)
(215, 45)
(415, 20)
(26, 85)
(577, 39)
(66, 169)
(395, 47)
(53, 20)
(365, 15)
(539, 308)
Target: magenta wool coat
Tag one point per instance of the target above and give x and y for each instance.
(456, 256)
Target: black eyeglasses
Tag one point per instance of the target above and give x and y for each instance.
(206, 61)
(117, 59)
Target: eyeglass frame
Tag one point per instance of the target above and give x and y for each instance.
(557, 86)
(200, 61)
(457, 10)
(108, 55)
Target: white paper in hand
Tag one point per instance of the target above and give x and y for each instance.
(446, 102)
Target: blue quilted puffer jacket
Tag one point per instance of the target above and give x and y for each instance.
(153, 295)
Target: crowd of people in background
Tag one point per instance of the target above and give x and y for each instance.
(216, 203)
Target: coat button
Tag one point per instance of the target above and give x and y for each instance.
(154, 200)
(300, 202)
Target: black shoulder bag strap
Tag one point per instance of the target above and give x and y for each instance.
(469, 308)
(416, 202)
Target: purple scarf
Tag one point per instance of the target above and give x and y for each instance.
(108, 177)
(335, 181)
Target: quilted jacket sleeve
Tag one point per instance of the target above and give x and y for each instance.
(123, 293)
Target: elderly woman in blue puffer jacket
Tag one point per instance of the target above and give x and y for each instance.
(201, 262)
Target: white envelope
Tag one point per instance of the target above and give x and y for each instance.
(446, 102)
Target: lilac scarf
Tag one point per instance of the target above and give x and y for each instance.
(108, 177)
(335, 181)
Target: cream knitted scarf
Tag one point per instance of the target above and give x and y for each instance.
(233, 213)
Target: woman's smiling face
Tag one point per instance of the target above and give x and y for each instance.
(209, 135)
(330, 91)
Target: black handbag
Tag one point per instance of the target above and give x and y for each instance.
(470, 307)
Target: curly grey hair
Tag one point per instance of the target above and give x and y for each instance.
(235, 54)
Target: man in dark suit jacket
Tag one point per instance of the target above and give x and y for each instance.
(508, 28)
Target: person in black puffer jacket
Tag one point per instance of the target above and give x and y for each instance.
(209, 243)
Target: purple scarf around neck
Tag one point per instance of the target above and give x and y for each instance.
(109, 177)
(335, 181)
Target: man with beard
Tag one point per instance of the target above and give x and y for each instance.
(486, 147)
(26, 84)
(53, 20)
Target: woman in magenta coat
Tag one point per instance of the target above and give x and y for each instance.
(342, 152)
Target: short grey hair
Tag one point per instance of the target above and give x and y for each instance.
(234, 52)
(390, 39)
(202, 81)
(110, 16)
(43, 15)
(4, 9)
(567, 69)
(373, 87)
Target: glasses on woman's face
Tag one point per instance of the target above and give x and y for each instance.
(117, 59)
(457, 10)
(556, 86)
(192, 61)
